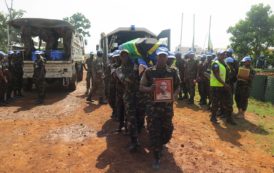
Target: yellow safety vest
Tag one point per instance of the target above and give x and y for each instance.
(213, 81)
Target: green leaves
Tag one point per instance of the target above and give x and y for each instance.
(80, 22)
(255, 34)
(14, 34)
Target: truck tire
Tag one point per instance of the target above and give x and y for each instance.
(79, 71)
(73, 83)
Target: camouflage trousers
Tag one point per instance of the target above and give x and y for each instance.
(142, 99)
(112, 97)
(159, 123)
(221, 98)
(2, 90)
(183, 89)
(190, 85)
(241, 96)
(120, 109)
(40, 86)
(204, 90)
(88, 80)
(130, 102)
(98, 87)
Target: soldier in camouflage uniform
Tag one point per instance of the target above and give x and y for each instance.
(129, 78)
(202, 80)
(243, 88)
(170, 60)
(108, 74)
(221, 91)
(119, 100)
(159, 113)
(3, 80)
(17, 65)
(88, 68)
(190, 75)
(180, 64)
(114, 63)
(98, 76)
(11, 76)
(39, 76)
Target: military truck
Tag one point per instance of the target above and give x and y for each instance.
(110, 42)
(63, 50)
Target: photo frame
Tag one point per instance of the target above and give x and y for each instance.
(164, 90)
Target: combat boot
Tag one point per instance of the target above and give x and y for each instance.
(134, 144)
(213, 119)
(180, 96)
(191, 101)
(102, 100)
(157, 156)
(185, 97)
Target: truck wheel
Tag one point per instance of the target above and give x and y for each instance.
(80, 73)
(73, 83)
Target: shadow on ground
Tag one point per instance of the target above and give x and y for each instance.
(118, 159)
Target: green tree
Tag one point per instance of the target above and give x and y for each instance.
(3, 32)
(14, 34)
(255, 34)
(80, 22)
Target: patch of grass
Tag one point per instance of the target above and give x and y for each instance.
(260, 108)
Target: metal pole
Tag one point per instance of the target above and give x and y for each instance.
(209, 36)
(182, 20)
(193, 40)
(9, 18)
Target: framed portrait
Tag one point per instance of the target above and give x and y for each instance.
(164, 90)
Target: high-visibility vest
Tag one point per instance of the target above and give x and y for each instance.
(222, 70)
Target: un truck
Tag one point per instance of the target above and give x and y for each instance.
(110, 42)
(63, 50)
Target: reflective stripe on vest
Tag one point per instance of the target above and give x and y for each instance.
(213, 81)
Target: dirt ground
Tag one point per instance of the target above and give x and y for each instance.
(68, 134)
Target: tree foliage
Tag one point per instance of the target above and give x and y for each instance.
(14, 34)
(80, 22)
(255, 34)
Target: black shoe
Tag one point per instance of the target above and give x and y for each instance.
(231, 121)
(185, 97)
(133, 147)
(191, 102)
(156, 164)
(213, 119)
(103, 101)
(39, 101)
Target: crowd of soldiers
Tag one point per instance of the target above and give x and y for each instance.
(129, 87)
(11, 76)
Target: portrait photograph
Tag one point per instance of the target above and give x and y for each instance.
(164, 90)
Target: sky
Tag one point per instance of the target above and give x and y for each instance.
(155, 15)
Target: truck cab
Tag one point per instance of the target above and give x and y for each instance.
(110, 42)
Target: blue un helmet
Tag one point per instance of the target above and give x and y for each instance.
(100, 53)
(171, 55)
(10, 52)
(230, 50)
(162, 50)
(203, 57)
(246, 58)
(229, 60)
